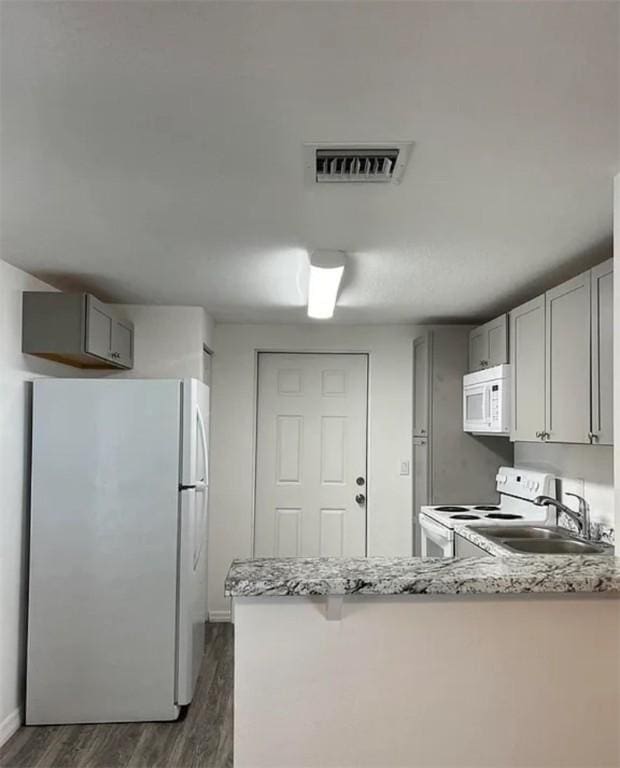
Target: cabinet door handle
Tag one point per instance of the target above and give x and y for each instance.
(484, 363)
(592, 437)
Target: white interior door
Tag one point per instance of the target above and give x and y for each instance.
(311, 451)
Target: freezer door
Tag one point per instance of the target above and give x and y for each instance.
(194, 464)
(104, 551)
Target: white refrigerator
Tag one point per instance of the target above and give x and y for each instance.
(118, 549)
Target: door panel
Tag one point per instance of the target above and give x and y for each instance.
(311, 447)
(421, 374)
(527, 355)
(288, 533)
(288, 448)
(602, 353)
(332, 533)
(567, 404)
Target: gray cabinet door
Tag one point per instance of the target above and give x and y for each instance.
(421, 377)
(122, 343)
(99, 322)
(488, 344)
(421, 483)
(527, 355)
(567, 392)
(497, 341)
(478, 348)
(602, 278)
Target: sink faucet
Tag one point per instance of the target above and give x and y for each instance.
(582, 518)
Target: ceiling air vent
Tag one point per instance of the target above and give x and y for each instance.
(356, 163)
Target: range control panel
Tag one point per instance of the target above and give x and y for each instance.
(525, 483)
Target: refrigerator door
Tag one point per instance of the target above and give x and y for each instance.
(193, 538)
(191, 598)
(103, 555)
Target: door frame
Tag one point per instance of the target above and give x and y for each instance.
(257, 353)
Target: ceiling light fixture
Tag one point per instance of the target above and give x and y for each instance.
(326, 270)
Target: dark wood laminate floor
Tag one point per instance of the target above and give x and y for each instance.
(203, 738)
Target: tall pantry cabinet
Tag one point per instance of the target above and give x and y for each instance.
(449, 465)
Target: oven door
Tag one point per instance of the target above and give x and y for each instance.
(436, 539)
(476, 405)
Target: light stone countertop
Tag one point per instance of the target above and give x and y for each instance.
(515, 574)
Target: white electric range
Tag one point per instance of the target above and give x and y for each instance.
(517, 489)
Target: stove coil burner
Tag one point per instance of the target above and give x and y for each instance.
(487, 508)
(451, 509)
(464, 517)
(504, 516)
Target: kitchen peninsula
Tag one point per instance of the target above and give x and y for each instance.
(499, 662)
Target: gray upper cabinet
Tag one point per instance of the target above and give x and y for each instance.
(488, 344)
(602, 353)
(421, 376)
(567, 374)
(562, 362)
(76, 329)
(527, 355)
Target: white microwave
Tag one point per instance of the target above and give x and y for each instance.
(486, 401)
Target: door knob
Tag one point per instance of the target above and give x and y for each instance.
(360, 480)
(360, 498)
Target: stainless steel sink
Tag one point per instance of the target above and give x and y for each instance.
(522, 532)
(539, 540)
(556, 547)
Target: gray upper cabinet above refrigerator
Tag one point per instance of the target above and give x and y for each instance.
(76, 329)
(488, 344)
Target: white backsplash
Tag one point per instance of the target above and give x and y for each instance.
(583, 469)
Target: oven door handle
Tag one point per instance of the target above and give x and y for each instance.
(439, 531)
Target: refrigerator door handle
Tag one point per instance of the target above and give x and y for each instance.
(201, 487)
(203, 440)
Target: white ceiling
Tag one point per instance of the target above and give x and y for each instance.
(152, 152)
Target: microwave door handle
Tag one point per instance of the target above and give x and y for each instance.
(487, 405)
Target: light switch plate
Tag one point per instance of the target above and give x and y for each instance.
(404, 467)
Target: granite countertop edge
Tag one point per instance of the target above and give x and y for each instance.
(515, 574)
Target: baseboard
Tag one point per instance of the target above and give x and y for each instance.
(10, 724)
(219, 616)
